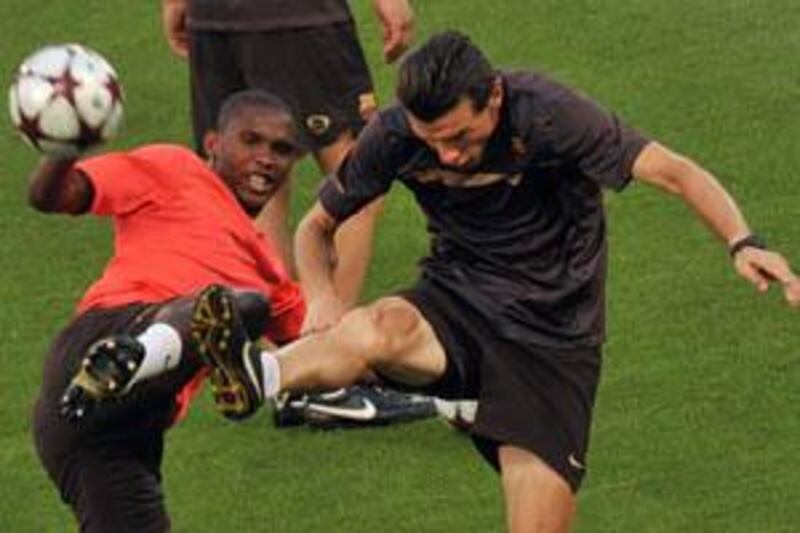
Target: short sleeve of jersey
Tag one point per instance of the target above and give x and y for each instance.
(602, 147)
(365, 174)
(123, 182)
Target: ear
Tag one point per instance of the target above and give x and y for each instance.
(211, 143)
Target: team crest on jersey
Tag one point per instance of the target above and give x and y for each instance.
(318, 124)
(367, 104)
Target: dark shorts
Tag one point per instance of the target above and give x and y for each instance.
(533, 397)
(107, 468)
(320, 72)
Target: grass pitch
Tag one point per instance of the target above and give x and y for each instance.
(696, 423)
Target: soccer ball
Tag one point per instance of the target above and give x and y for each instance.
(458, 413)
(64, 99)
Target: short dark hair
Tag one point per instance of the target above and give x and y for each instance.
(240, 101)
(434, 78)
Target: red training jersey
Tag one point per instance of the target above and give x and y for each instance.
(177, 229)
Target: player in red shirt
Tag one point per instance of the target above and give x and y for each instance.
(180, 223)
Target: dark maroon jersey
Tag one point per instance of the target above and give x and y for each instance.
(522, 238)
(265, 15)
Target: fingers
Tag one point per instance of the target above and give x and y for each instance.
(322, 312)
(762, 267)
(396, 42)
(397, 19)
(179, 46)
(791, 292)
(754, 276)
(174, 21)
(309, 328)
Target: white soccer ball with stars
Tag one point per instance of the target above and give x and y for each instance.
(64, 99)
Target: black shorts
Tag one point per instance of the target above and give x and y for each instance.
(533, 397)
(320, 72)
(108, 468)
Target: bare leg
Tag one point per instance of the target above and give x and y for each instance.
(538, 500)
(273, 220)
(389, 336)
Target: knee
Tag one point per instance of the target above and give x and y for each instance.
(381, 329)
(395, 318)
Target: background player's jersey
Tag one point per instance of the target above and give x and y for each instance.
(265, 15)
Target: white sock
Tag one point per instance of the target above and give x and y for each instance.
(271, 371)
(162, 351)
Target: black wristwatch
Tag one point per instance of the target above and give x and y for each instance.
(751, 241)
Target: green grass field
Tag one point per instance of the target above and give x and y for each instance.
(697, 425)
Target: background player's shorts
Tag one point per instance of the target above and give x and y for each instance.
(321, 73)
(533, 397)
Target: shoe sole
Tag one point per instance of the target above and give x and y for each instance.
(93, 387)
(92, 383)
(214, 320)
(94, 377)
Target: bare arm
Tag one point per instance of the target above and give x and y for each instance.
(315, 251)
(397, 21)
(354, 243)
(55, 186)
(700, 190)
(679, 175)
(173, 18)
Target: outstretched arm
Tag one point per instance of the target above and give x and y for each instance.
(315, 254)
(700, 190)
(397, 21)
(173, 17)
(55, 186)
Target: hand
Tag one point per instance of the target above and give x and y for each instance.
(173, 17)
(397, 20)
(322, 313)
(761, 267)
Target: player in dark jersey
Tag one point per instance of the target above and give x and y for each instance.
(509, 170)
(309, 54)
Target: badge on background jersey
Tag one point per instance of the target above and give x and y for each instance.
(318, 124)
(367, 104)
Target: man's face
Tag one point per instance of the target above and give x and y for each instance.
(253, 154)
(459, 137)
